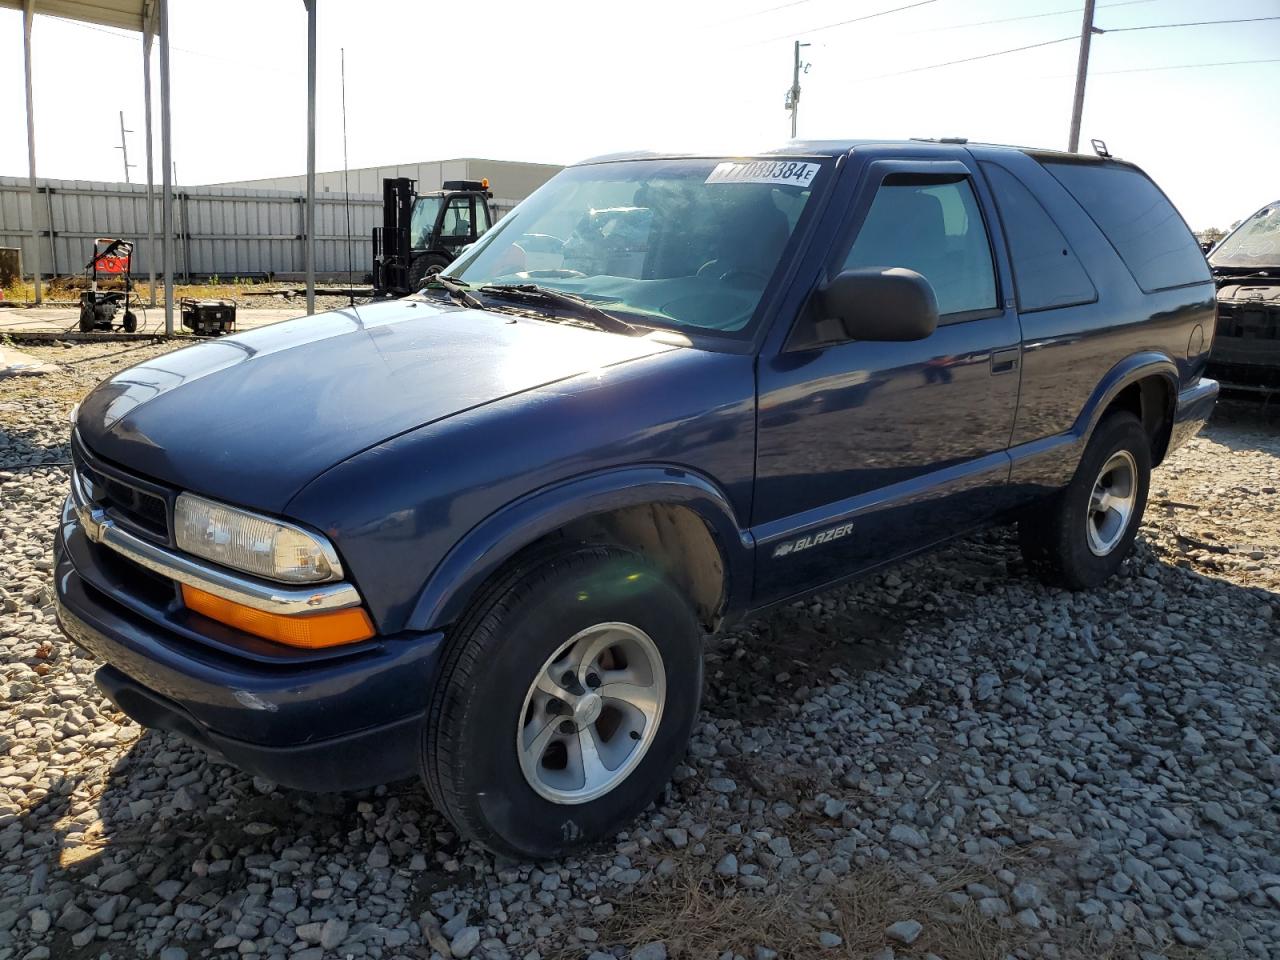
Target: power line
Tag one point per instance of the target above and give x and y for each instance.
(1182, 66)
(1048, 43)
(1027, 16)
(1193, 23)
(844, 23)
(982, 56)
(759, 13)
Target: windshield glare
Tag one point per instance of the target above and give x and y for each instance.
(1255, 243)
(684, 243)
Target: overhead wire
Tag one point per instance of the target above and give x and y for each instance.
(1028, 16)
(1073, 36)
(1190, 23)
(842, 23)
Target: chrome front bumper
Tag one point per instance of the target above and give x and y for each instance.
(248, 591)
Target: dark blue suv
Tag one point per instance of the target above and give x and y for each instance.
(479, 533)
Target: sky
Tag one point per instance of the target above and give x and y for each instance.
(560, 80)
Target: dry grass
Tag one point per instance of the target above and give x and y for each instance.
(67, 290)
(700, 916)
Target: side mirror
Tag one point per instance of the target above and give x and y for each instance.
(880, 303)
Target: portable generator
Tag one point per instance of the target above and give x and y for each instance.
(208, 318)
(98, 308)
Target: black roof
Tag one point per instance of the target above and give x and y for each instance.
(835, 148)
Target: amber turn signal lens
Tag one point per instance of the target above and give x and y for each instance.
(310, 631)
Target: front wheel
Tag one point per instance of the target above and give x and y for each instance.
(1083, 534)
(564, 703)
(424, 267)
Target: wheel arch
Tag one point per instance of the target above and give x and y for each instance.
(1146, 384)
(677, 518)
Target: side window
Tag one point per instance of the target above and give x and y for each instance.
(481, 218)
(1045, 270)
(457, 218)
(936, 229)
(1140, 222)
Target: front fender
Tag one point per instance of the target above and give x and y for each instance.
(492, 542)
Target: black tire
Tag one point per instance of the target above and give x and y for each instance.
(424, 266)
(88, 318)
(469, 757)
(1055, 538)
(130, 321)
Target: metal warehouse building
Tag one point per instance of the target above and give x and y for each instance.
(509, 180)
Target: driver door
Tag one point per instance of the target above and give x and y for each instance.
(867, 451)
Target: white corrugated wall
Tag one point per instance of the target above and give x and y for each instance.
(221, 231)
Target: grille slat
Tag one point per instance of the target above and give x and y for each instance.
(140, 510)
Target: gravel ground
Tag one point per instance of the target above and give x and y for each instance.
(945, 760)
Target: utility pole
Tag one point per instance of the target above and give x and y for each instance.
(793, 95)
(1082, 73)
(124, 148)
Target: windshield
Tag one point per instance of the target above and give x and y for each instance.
(1255, 243)
(683, 243)
(423, 221)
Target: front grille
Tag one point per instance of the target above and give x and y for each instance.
(127, 502)
(1261, 322)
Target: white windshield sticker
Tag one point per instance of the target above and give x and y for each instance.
(795, 172)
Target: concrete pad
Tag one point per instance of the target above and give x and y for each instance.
(15, 364)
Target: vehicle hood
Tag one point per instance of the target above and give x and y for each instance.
(252, 418)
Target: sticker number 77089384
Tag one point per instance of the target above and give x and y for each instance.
(797, 173)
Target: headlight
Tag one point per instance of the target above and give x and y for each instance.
(251, 543)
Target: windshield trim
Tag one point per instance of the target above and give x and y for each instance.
(747, 339)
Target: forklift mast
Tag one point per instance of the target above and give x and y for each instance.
(391, 253)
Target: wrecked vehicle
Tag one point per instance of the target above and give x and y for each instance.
(479, 534)
(1246, 269)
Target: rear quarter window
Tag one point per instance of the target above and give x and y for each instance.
(1139, 221)
(1046, 272)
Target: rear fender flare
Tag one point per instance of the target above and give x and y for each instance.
(1130, 370)
(497, 538)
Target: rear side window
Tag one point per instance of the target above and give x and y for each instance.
(1139, 221)
(1046, 272)
(935, 229)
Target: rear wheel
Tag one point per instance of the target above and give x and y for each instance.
(564, 703)
(1083, 535)
(130, 321)
(424, 266)
(88, 318)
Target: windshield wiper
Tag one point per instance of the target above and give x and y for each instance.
(456, 289)
(581, 308)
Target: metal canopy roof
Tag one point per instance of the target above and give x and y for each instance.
(125, 14)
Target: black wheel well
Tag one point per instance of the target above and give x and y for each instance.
(1151, 400)
(672, 536)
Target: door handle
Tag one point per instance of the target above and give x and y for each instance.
(1005, 361)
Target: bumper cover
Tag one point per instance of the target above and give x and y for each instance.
(1195, 406)
(334, 722)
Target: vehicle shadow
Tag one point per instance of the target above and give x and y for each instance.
(173, 830)
(1246, 423)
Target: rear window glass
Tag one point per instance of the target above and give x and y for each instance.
(1139, 221)
(1045, 269)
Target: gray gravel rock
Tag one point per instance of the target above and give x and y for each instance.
(904, 931)
(1105, 763)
